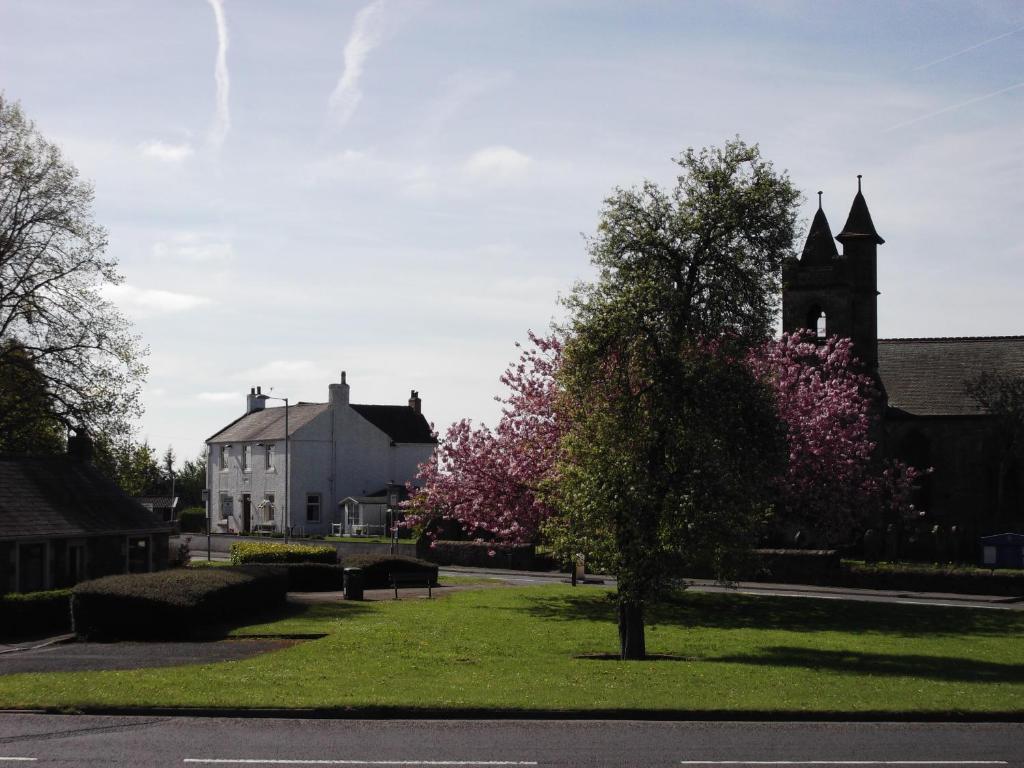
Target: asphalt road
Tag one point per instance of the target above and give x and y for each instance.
(140, 742)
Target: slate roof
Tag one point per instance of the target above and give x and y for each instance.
(400, 422)
(858, 223)
(268, 424)
(820, 248)
(59, 496)
(926, 377)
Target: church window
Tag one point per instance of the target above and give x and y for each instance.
(820, 327)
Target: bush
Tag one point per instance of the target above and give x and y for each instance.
(266, 552)
(174, 604)
(192, 520)
(920, 577)
(314, 577)
(377, 569)
(35, 614)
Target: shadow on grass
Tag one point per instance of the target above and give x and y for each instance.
(944, 668)
(290, 610)
(725, 611)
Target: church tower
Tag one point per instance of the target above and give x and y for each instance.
(837, 294)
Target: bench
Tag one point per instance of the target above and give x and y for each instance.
(411, 580)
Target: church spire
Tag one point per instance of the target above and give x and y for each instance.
(858, 223)
(819, 248)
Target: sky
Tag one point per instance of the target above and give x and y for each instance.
(401, 189)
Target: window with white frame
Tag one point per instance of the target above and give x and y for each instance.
(247, 458)
(269, 449)
(225, 458)
(268, 507)
(312, 507)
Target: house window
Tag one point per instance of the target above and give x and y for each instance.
(312, 507)
(226, 505)
(225, 456)
(268, 507)
(269, 457)
(247, 458)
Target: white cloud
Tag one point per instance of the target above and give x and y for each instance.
(367, 33)
(167, 153)
(498, 163)
(219, 397)
(222, 117)
(146, 302)
(193, 247)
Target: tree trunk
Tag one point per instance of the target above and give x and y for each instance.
(631, 630)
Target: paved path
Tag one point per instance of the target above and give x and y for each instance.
(141, 742)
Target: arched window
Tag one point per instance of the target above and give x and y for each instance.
(814, 321)
(820, 326)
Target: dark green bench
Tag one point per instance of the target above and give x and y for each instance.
(408, 580)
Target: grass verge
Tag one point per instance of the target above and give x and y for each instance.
(519, 650)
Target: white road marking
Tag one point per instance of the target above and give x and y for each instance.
(18, 759)
(843, 762)
(269, 761)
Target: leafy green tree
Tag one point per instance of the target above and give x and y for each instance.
(28, 421)
(672, 443)
(54, 319)
(132, 466)
(192, 480)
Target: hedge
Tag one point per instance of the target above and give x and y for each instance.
(192, 520)
(377, 569)
(35, 614)
(480, 554)
(267, 552)
(314, 577)
(921, 577)
(174, 604)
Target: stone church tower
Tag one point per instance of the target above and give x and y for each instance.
(833, 293)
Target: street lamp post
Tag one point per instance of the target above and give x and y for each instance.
(287, 436)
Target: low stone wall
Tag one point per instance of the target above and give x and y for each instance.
(220, 543)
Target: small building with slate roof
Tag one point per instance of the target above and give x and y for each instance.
(928, 418)
(62, 521)
(334, 451)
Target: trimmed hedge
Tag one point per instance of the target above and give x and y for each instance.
(920, 577)
(377, 569)
(35, 614)
(314, 577)
(192, 520)
(519, 557)
(267, 552)
(174, 604)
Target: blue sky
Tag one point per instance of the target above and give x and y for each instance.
(399, 188)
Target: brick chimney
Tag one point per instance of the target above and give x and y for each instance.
(337, 394)
(414, 401)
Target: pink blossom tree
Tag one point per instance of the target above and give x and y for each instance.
(491, 482)
(834, 481)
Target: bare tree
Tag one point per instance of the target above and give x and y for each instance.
(54, 321)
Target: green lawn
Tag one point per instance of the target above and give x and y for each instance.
(518, 649)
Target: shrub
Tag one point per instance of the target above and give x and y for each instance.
(266, 552)
(192, 520)
(377, 569)
(34, 614)
(922, 577)
(314, 577)
(174, 604)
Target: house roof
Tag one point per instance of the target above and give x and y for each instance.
(58, 496)
(927, 377)
(399, 422)
(268, 423)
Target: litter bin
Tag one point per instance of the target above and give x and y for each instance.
(353, 583)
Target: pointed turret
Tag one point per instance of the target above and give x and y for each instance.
(858, 223)
(819, 248)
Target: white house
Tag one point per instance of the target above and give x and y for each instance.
(336, 452)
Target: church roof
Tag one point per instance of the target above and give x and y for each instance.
(858, 223)
(820, 247)
(926, 377)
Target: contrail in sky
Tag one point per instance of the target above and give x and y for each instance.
(968, 49)
(944, 110)
(365, 36)
(222, 119)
